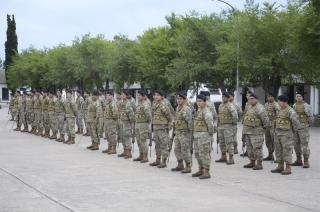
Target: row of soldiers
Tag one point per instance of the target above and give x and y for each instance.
(192, 127)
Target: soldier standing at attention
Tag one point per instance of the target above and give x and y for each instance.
(227, 118)
(286, 123)
(247, 106)
(235, 125)
(37, 113)
(162, 124)
(71, 113)
(182, 133)
(272, 108)
(79, 120)
(101, 106)
(110, 124)
(29, 110)
(203, 130)
(301, 137)
(127, 124)
(23, 112)
(92, 120)
(255, 122)
(119, 131)
(11, 105)
(45, 114)
(86, 103)
(52, 116)
(60, 114)
(142, 126)
(17, 106)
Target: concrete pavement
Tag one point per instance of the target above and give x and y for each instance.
(38, 174)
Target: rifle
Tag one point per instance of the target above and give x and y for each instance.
(171, 141)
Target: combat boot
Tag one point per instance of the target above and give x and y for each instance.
(298, 162)
(108, 149)
(53, 136)
(250, 165)
(306, 163)
(223, 158)
(287, 170)
(25, 130)
(269, 157)
(95, 147)
(187, 169)
(163, 163)
(258, 166)
(69, 139)
(144, 158)
(17, 128)
(179, 167)
(78, 131)
(90, 146)
(278, 169)
(156, 163)
(231, 160)
(62, 138)
(113, 150)
(138, 158)
(128, 155)
(198, 173)
(47, 133)
(205, 174)
(123, 153)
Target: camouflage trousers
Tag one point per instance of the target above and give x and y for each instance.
(17, 118)
(22, 119)
(37, 119)
(45, 120)
(283, 146)
(52, 122)
(93, 132)
(86, 123)
(269, 135)
(110, 129)
(142, 134)
(202, 148)
(235, 133)
(30, 118)
(254, 143)
(70, 126)
(301, 142)
(59, 123)
(126, 135)
(182, 146)
(226, 139)
(100, 126)
(161, 138)
(80, 120)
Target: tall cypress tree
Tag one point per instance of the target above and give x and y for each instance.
(11, 45)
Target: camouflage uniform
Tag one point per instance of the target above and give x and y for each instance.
(227, 118)
(127, 121)
(101, 105)
(142, 128)
(212, 108)
(161, 121)
(37, 114)
(301, 136)
(16, 111)
(92, 122)
(182, 138)
(52, 117)
(71, 113)
(119, 130)
(45, 116)
(86, 103)
(29, 110)
(59, 111)
(203, 130)
(272, 109)
(254, 123)
(11, 108)
(79, 120)
(23, 113)
(235, 126)
(111, 116)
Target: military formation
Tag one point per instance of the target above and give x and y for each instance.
(189, 128)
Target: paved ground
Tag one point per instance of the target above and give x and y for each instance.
(37, 174)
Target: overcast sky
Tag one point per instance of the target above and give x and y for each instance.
(46, 23)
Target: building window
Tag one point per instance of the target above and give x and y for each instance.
(5, 94)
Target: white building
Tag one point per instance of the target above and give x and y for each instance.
(4, 91)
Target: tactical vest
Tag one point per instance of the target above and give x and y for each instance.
(69, 109)
(283, 121)
(108, 113)
(180, 123)
(59, 107)
(251, 119)
(37, 104)
(124, 116)
(158, 117)
(51, 105)
(140, 116)
(225, 116)
(271, 111)
(199, 124)
(300, 110)
(92, 111)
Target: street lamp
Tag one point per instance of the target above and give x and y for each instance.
(238, 47)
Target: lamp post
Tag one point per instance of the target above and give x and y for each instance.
(238, 47)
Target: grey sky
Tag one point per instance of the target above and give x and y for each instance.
(46, 23)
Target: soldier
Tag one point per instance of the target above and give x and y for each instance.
(272, 108)
(52, 116)
(132, 100)
(101, 103)
(127, 124)
(235, 125)
(23, 112)
(182, 133)
(247, 106)
(301, 137)
(71, 113)
(16, 105)
(29, 110)
(11, 107)
(162, 124)
(60, 115)
(227, 118)
(86, 103)
(79, 119)
(110, 124)
(286, 122)
(142, 126)
(37, 113)
(45, 114)
(203, 129)
(119, 131)
(210, 105)
(255, 122)
(92, 121)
